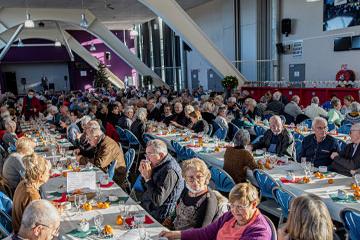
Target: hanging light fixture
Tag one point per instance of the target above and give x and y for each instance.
(20, 43)
(29, 23)
(92, 47)
(83, 22)
(57, 43)
(134, 32)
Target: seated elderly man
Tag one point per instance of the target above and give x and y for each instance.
(318, 147)
(293, 108)
(163, 181)
(40, 220)
(276, 106)
(179, 118)
(314, 110)
(349, 159)
(277, 139)
(10, 137)
(106, 150)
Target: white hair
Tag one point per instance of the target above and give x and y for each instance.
(158, 146)
(53, 108)
(354, 107)
(141, 114)
(317, 120)
(232, 99)
(85, 119)
(277, 96)
(188, 109)
(39, 212)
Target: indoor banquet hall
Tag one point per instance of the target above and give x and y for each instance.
(180, 119)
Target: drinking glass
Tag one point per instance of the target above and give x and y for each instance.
(303, 162)
(82, 199)
(357, 179)
(77, 203)
(98, 221)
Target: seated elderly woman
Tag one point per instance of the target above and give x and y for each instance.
(309, 219)
(244, 221)
(40, 219)
(197, 205)
(72, 129)
(334, 115)
(106, 150)
(277, 139)
(14, 167)
(207, 112)
(238, 159)
(36, 174)
(349, 159)
(198, 124)
(354, 115)
(125, 120)
(138, 127)
(221, 117)
(318, 147)
(10, 137)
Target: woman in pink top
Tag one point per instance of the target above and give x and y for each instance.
(244, 221)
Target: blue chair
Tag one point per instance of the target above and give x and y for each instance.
(5, 224)
(122, 135)
(267, 116)
(265, 182)
(129, 158)
(259, 130)
(351, 220)
(220, 133)
(331, 126)
(111, 169)
(233, 129)
(134, 143)
(138, 187)
(182, 153)
(327, 105)
(298, 147)
(345, 129)
(222, 180)
(308, 122)
(283, 198)
(5, 203)
(147, 137)
(298, 136)
(342, 145)
(210, 129)
(215, 125)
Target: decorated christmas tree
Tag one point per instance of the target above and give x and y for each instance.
(101, 78)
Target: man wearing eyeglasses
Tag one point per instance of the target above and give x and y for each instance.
(349, 159)
(318, 147)
(40, 221)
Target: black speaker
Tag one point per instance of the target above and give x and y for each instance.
(286, 26)
(51, 86)
(23, 81)
(108, 56)
(280, 48)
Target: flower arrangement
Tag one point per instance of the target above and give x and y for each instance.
(230, 82)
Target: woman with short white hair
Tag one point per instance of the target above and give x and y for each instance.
(138, 127)
(10, 137)
(354, 115)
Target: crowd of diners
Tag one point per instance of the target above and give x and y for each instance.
(176, 194)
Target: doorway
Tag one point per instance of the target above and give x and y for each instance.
(10, 84)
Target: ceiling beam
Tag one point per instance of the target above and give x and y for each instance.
(71, 55)
(11, 40)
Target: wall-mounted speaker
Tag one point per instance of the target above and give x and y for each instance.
(108, 56)
(23, 81)
(286, 26)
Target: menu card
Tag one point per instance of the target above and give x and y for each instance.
(80, 180)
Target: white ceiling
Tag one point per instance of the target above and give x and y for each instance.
(115, 14)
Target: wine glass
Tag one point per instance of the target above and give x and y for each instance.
(98, 221)
(77, 203)
(82, 199)
(357, 179)
(98, 192)
(62, 152)
(303, 162)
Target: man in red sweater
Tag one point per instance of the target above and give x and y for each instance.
(31, 105)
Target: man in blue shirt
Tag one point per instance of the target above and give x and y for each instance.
(319, 146)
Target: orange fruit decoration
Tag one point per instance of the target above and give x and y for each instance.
(119, 220)
(306, 179)
(87, 207)
(357, 193)
(106, 204)
(64, 174)
(354, 187)
(107, 230)
(267, 165)
(100, 205)
(330, 181)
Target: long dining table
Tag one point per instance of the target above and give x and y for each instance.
(321, 187)
(119, 203)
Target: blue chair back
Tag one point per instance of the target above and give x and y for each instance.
(122, 134)
(138, 187)
(327, 105)
(342, 145)
(129, 158)
(351, 220)
(265, 182)
(222, 180)
(307, 122)
(283, 119)
(259, 130)
(298, 148)
(331, 126)
(283, 198)
(11, 148)
(215, 125)
(210, 129)
(298, 136)
(132, 139)
(220, 133)
(233, 129)
(5, 224)
(111, 169)
(345, 129)
(5, 203)
(267, 116)
(147, 137)
(182, 153)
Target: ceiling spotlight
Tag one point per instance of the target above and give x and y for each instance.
(20, 43)
(57, 43)
(92, 47)
(83, 22)
(29, 23)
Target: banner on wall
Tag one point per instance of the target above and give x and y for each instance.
(339, 2)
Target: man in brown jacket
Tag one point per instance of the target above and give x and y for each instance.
(106, 150)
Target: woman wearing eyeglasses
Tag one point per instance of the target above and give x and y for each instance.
(197, 205)
(244, 221)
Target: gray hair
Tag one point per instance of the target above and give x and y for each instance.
(354, 107)
(159, 146)
(232, 99)
(251, 101)
(315, 100)
(242, 138)
(128, 108)
(317, 120)
(141, 114)
(208, 107)
(53, 108)
(188, 109)
(85, 119)
(39, 212)
(276, 96)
